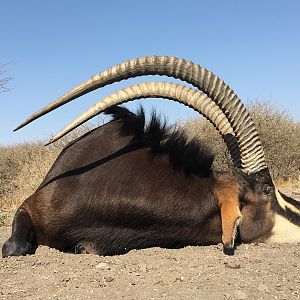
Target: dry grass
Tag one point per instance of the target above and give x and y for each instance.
(23, 167)
(280, 135)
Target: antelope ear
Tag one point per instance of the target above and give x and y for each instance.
(231, 218)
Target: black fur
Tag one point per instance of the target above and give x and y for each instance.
(191, 157)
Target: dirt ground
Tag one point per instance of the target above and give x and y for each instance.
(256, 271)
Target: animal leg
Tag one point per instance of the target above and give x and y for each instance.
(23, 238)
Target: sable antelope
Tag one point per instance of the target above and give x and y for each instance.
(125, 186)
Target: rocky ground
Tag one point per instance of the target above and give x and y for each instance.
(256, 271)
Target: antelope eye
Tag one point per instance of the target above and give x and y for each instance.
(267, 190)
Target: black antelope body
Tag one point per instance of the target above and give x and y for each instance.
(127, 185)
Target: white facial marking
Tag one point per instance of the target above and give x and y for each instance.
(284, 231)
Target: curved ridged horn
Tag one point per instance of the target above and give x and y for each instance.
(252, 155)
(179, 93)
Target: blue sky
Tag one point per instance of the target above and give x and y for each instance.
(51, 46)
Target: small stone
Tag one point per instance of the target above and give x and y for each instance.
(279, 287)
(232, 266)
(103, 266)
(262, 288)
(142, 267)
(67, 279)
(108, 279)
(240, 295)
(179, 279)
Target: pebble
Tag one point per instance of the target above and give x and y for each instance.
(240, 295)
(179, 279)
(108, 279)
(142, 267)
(226, 296)
(103, 266)
(232, 266)
(262, 288)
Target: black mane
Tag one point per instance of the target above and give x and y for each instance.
(190, 156)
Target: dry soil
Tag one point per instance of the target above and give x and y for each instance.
(256, 271)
